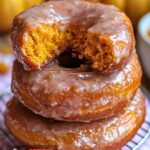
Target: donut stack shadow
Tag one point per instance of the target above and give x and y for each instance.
(86, 98)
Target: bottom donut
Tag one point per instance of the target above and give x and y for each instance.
(105, 134)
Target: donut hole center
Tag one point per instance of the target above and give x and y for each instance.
(70, 60)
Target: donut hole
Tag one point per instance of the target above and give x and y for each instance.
(69, 60)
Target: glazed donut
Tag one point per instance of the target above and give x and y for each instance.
(75, 94)
(98, 33)
(104, 134)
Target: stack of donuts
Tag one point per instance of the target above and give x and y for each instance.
(76, 77)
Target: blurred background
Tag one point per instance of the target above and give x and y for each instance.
(135, 9)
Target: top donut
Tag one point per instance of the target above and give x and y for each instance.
(100, 34)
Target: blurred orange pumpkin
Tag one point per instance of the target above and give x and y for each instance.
(119, 3)
(29, 3)
(136, 9)
(133, 8)
(10, 8)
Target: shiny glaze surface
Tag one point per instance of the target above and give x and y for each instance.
(74, 94)
(104, 134)
(107, 21)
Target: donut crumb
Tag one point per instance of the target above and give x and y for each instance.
(46, 42)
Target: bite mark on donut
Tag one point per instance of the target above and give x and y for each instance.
(46, 42)
(43, 43)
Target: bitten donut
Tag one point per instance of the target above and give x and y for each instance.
(104, 134)
(98, 33)
(75, 94)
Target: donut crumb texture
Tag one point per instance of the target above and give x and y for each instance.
(45, 42)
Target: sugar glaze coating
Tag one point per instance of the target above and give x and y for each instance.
(104, 134)
(75, 94)
(106, 23)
